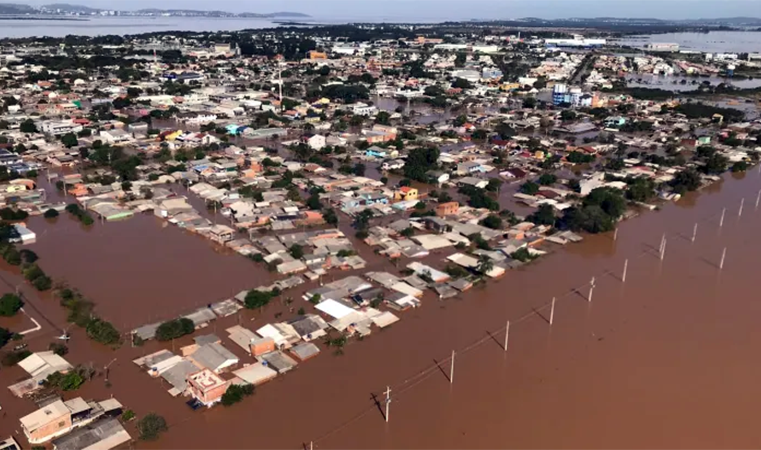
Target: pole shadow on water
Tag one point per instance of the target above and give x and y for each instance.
(378, 405)
(443, 372)
(538, 313)
(709, 262)
(496, 341)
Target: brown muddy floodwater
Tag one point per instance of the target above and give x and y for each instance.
(666, 359)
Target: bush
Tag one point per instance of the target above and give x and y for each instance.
(42, 283)
(68, 382)
(128, 415)
(33, 272)
(235, 393)
(174, 329)
(28, 256)
(10, 304)
(12, 256)
(58, 348)
(151, 426)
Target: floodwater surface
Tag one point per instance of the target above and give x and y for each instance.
(665, 359)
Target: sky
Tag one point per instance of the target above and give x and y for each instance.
(432, 10)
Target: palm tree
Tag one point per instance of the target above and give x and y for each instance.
(485, 264)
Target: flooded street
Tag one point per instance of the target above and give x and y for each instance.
(664, 360)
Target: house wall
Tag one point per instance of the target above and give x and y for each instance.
(49, 431)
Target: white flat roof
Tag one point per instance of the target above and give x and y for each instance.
(334, 309)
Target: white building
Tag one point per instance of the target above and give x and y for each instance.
(363, 109)
(316, 142)
(58, 128)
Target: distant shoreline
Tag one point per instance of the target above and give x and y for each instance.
(64, 19)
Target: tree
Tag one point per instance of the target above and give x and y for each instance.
(50, 214)
(10, 304)
(492, 221)
(485, 264)
(544, 215)
(529, 188)
(68, 382)
(420, 161)
(685, 180)
(740, 166)
(641, 190)
(494, 185)
(460, 59)
(329, 215)
(297, 251)
(151, 426)
(69, 140)
(547, 179)
(529, 103)
(28, 126)
(42, 283)
(567, 115)
(579, 158)
(174, 329)
(103, 332)
(257, 299)
(359, 169)
(382, 118)
(461, 83)
(313, 202)
(716, 164)
(5, 336)
(236, 393)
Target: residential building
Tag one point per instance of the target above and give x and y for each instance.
(58, 128)
(447, 209)
(207, 387)
(406, 193)
(363, 109)
(101, 435)
(316, 142)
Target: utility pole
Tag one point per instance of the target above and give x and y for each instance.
(663, 250)
(451, 370)
(591, 289)
(626, 266)
(721, 221)
(694, 232)
(552, 311)
(758, 198)
(615, 235)
(507, 333)
(388, 401)
(740, 212)
(723, 255)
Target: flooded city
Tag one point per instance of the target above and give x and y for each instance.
(455, 236)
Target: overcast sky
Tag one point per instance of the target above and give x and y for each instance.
(453, 9)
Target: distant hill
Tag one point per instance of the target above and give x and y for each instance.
(15, 8)
(68, 9)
